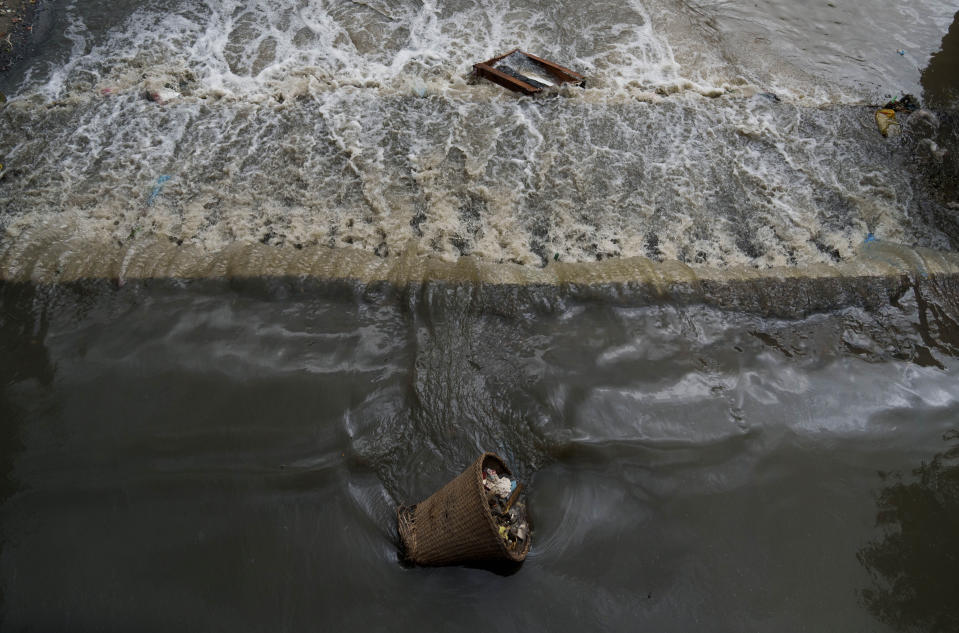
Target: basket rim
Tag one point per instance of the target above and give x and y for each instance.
(519, 555)
(406, 530)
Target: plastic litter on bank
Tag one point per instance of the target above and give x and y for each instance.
(522, 72)
(478, 517)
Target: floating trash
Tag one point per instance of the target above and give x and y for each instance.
(477, 517)
(418, 87)
(157, 189)
(905, 103)
(886, 122)
(529, 74)
(156, 91)
(509, 514)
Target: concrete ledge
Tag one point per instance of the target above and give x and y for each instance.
(880, 272)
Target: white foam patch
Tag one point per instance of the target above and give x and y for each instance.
(245, 48)
(704, 181)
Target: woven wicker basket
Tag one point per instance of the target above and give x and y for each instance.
(455, 524)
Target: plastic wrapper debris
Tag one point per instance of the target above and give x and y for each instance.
(157, 189)
(156, 91)
(509, 514)
(905, 103)
(478, 517)
(886, 122)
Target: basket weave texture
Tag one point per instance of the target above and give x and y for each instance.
(455, 524)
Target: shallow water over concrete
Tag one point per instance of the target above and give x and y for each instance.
(715, 135)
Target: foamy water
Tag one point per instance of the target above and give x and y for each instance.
(707, 134)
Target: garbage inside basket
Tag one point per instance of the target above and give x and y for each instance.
(502, 497)
(478, 517)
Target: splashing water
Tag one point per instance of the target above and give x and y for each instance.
(354, 125)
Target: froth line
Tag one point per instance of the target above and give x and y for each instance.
(67, 258)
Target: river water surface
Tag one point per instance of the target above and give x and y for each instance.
(701, 307)
(229, 455)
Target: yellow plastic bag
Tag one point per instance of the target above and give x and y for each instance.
(886, 120)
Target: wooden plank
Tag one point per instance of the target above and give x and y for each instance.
(507, 81)
(560, 73)
(513, 497)
(491, 62)
(571, 74)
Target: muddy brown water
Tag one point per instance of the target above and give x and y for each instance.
(702, 308)
(207, 455)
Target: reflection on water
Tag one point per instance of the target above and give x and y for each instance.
(914, 564)
(938, 154)
(26, 366)
(940, 79)
(228, 454)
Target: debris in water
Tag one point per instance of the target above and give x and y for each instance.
(157, 189)
(509, 514)
(926, 117)
(869, 238)
(901, 52)
(529, 74)
(419, 88)
(938, 153)
(163, 96)
(158, 93)
(886, 121)
(478, 517)
(905, 103)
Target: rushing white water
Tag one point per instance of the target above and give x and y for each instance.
(715, 134)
